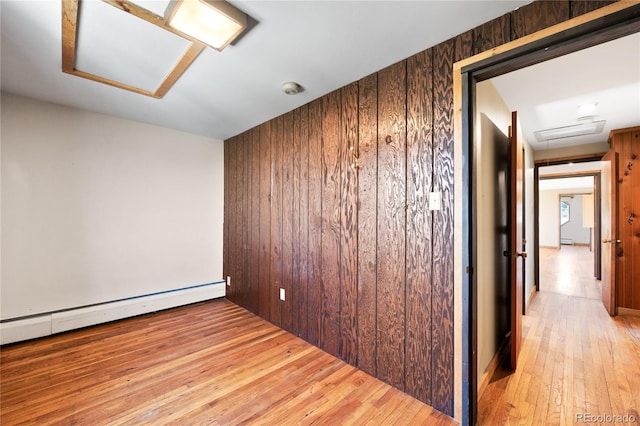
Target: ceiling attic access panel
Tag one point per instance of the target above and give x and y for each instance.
(122, 44)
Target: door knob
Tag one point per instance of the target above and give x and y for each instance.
(521, 254)
(611, 241)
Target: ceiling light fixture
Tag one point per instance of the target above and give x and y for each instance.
(581, 129)
(213, 22)
(588, 110)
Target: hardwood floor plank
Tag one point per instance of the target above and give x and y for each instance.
(209, 363)
(575, 358)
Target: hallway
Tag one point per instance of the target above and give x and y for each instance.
(576, 361)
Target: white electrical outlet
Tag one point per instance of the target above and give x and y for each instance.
(435, 200)
(282, 294)
(228, 280)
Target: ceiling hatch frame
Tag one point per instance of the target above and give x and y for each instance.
(70, 34)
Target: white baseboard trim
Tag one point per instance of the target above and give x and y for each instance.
(57, 322)
(25, 329)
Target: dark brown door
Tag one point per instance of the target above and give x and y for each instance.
(609, 214)
(516, 243)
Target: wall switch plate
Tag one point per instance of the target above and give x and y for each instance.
(282, 294)
(435, 200)
(228, 280)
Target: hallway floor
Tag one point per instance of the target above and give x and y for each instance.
(577, 364)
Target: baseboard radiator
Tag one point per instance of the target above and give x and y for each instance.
(46, 324)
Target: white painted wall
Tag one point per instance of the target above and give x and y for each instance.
(574, 229)
(489, 103)
(97, 208)
(529, 214)
(572, 151)
(549, 219)
(493, 107)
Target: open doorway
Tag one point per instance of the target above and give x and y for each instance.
(567, 219)
(583, 148)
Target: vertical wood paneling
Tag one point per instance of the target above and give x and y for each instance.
(580, 7)
(330, 272)
(245, 219)
(624, 250)
(462, 50)
(537, 16)
(492, 34)
(419, 225)
(367, 220)
(315, 222)
(302, 135)
(288, 209)
(276, 220)
(264, 261)
(632, 220)
(234, 222)
(391, 223)
(627, 144)
(297, 264)
(254, 212)
(349, 225)
(367, 268)
(226, 244)
(442, 269)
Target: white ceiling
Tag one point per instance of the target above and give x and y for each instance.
(547, 95)
(323, 45)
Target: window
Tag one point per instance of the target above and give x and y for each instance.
(565, 212)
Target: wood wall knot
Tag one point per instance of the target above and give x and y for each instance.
(388, 140)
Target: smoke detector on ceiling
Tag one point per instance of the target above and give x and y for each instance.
(291, 88)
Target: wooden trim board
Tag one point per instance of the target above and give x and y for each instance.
(575, 158)
(500, 356)
(531, 298)
(70, 33)
(629, 312)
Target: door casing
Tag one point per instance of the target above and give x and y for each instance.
(605, 24)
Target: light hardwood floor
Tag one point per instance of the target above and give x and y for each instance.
(208, 364)
(575, 360)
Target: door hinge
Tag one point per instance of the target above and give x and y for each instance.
(470, 270)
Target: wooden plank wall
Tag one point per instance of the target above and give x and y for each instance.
(366, 267)
(626, 142)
